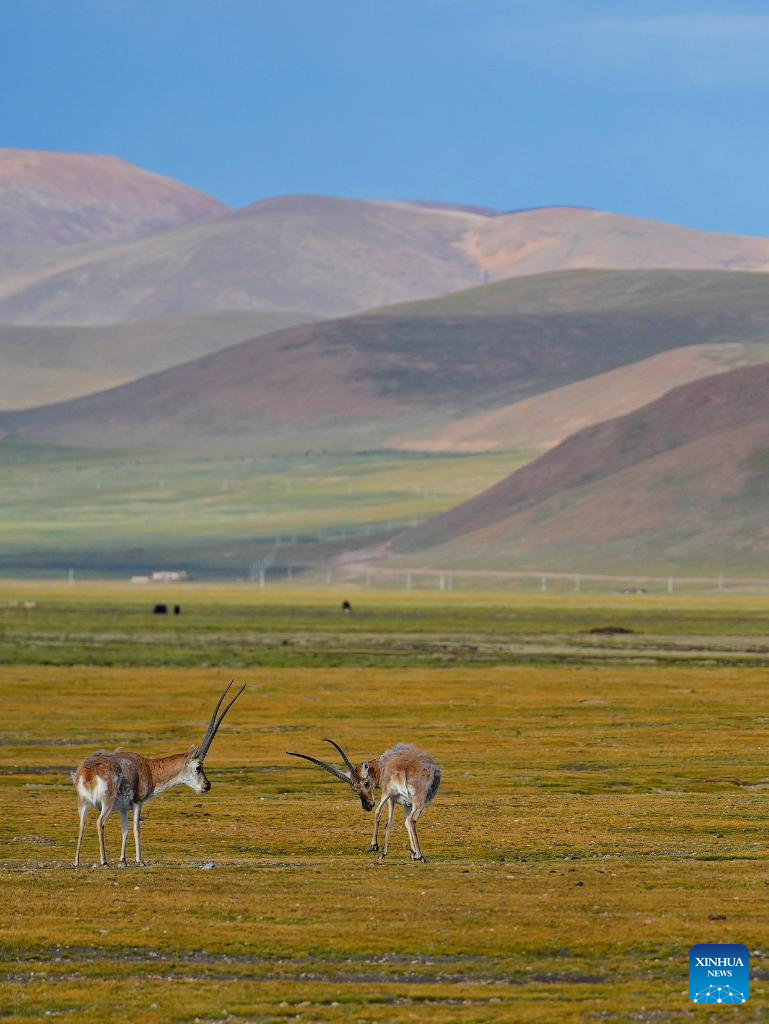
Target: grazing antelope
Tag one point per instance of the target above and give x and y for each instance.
(404, 774)
(123, 781)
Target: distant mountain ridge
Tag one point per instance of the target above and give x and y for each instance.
(90, 240)
(153, 318)
(71, 198)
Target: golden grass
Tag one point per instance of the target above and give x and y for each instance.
(592, 825)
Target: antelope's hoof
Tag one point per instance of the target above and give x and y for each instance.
(374, 848)
(104, 864)
(419, 857)
(381, 857)
(140, 864)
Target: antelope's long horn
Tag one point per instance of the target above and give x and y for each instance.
(345, 758)
(327, 767)
(213, 725)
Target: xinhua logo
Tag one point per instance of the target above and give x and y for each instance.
(719, 974)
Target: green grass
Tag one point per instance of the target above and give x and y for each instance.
(238, 626)
(125, 513)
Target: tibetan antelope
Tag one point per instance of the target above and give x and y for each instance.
(404, 774)
(123, 782)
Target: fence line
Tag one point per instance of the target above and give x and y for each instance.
(445, 578)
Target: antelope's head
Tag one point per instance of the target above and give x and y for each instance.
(192, 773)
(357, 776)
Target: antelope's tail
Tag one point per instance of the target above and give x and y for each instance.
(435, 783)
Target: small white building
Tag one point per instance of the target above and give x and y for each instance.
(163, 576)
(170, 576)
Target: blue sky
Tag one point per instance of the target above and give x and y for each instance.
(654, 109)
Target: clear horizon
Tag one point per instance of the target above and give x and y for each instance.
(657, 115)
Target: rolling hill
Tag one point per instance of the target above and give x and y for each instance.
(545, 420)
(683, 481)
(566, 238)
(323, 256)
(70, 198)
(43, 364)
(375, 380)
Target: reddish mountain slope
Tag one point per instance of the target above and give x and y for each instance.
(374, 380)
(684, 480)
(546, 419)
(69, 198)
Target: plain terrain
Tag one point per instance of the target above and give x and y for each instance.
(594, 821)
(124, 513)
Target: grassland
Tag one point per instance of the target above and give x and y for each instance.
(594, 822)
(128, 513)
(241, 626)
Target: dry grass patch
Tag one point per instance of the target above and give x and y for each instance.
(592, 825)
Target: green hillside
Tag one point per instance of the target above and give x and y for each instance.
(129, 512)
(41, 364)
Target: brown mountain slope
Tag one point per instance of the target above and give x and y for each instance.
(332, 256)
(683, 481)
(561, 238)
(545, 420)
(373, 380)
(68, 198)
(42, 364)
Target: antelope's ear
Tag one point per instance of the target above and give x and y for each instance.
(364, 769)
(193, 751)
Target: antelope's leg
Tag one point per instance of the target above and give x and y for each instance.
(388, 830)
(137, 834)
(124, 829)
(377, 815)
(411, 828)
(82, 808)
(100, 823)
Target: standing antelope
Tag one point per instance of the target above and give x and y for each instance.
(404, 774)
(123, 781)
